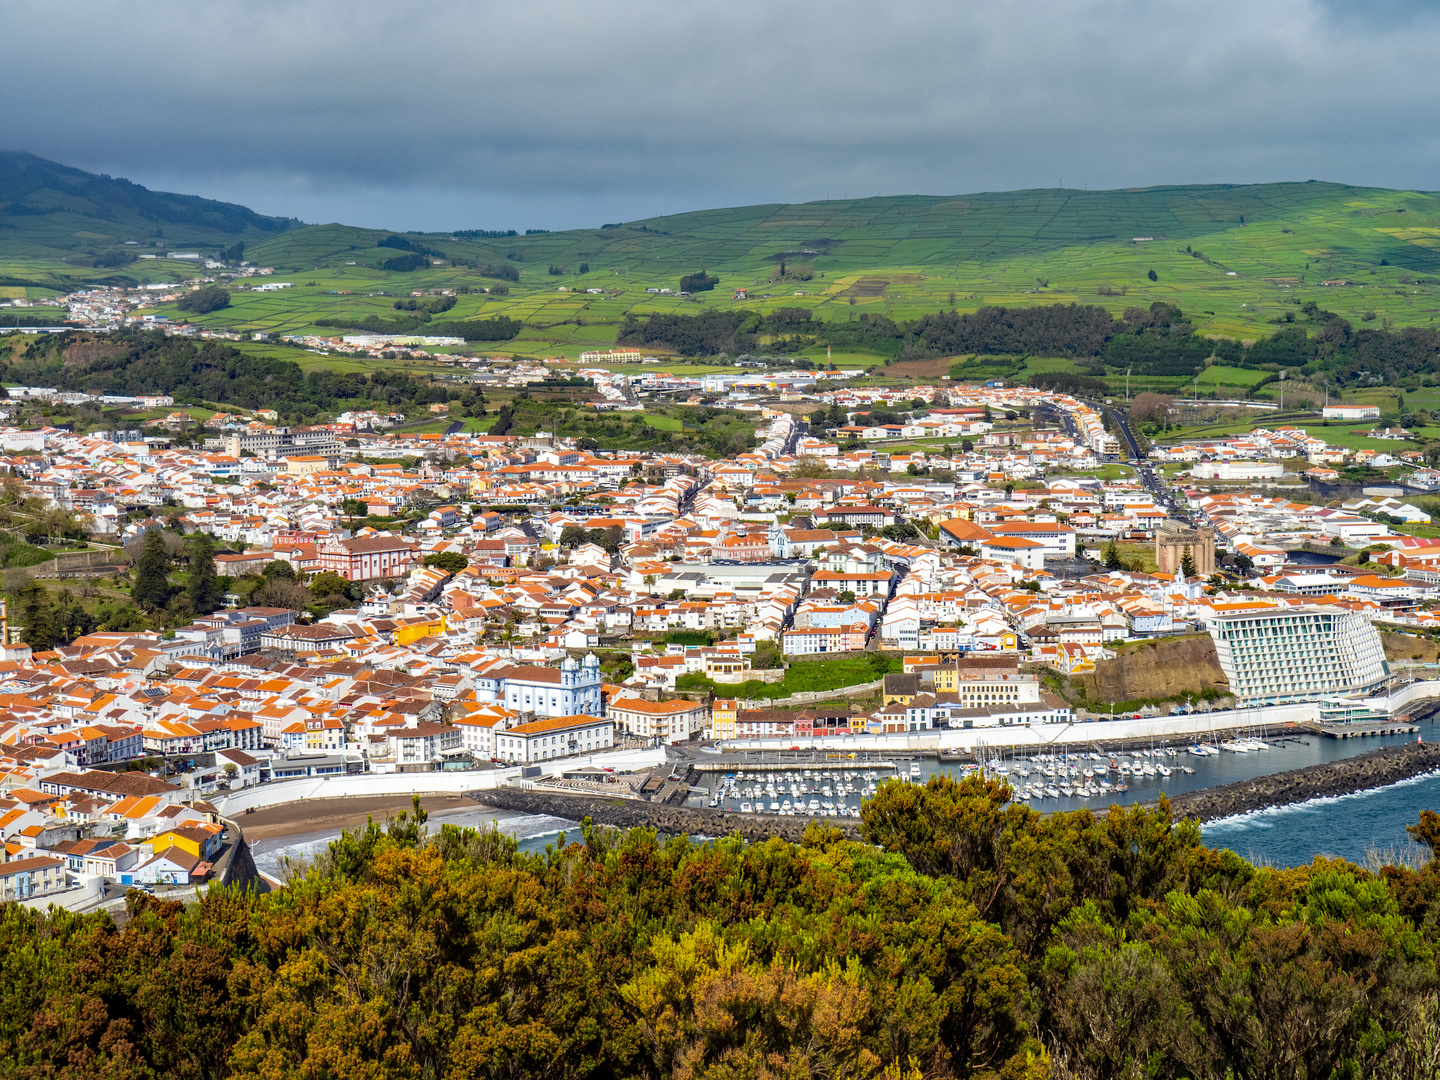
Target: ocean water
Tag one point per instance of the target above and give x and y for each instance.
(1343, 827)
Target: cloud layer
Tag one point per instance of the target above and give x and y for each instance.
(469, 113)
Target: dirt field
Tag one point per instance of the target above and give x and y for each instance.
(314, 815)
(919, 369)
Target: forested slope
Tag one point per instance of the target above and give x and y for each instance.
(978, 940)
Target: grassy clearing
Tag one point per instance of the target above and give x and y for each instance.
(1143, 554)
(1111, 471)
(1221, 375)
(1355, 438)
(814, 676)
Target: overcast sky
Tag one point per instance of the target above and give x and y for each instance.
(556, 114)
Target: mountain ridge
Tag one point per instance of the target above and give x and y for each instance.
(1243, 258)
(48, 205)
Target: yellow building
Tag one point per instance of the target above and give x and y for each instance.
(415, 629)
(723, 714)
(305, 464)
(900, 688)
(199, 840)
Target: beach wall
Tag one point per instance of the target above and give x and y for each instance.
(455, 782)
(1378, 768)
(88, 891)
(237, 865)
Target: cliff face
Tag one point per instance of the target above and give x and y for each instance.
(1409, 647)
(1157, 669)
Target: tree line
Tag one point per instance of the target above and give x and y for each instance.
(500, 328)
(969, 938)
(1154, 340)
(212, 371)
(432, 305)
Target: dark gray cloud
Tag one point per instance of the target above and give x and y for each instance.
(471, 113)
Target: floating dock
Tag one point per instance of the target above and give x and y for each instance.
(1361, 730)
(789, 766)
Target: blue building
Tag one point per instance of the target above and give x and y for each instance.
(571, 689)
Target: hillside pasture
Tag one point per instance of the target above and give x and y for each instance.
(1221, 375)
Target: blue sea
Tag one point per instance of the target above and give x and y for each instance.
(1344, 827)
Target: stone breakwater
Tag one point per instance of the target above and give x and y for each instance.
(671, 820)
(1345, 777)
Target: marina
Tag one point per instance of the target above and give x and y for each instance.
(1064, 779)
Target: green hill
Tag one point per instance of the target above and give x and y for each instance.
(1237, 258)
(1343, 223)
(59, 224)
(1234, 257)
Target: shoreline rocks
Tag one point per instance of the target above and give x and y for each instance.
(670, 820)
(1378, 768)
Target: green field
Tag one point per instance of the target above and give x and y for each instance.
(1265, 247)
(809, 676)
(904, 256)
(1111, 471)
(1354, 437)
(1220, 375)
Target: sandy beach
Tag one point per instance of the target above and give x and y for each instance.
(315, 815)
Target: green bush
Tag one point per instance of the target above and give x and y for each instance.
(25, 555)
(689, 637)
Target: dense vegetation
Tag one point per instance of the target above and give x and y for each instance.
(978, 940)
(675, 429)
(1155, 340)
(405, 264)
(204, 301)
(502, 328)
(12, 319)
(432, 305)
(1055, 330)
(200, 371)
(713, 332)
(698, 282)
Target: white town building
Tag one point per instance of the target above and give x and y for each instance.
(1276, 655)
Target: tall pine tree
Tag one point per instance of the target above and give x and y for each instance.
(204, 588)
(35, 615)
(152, 581)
